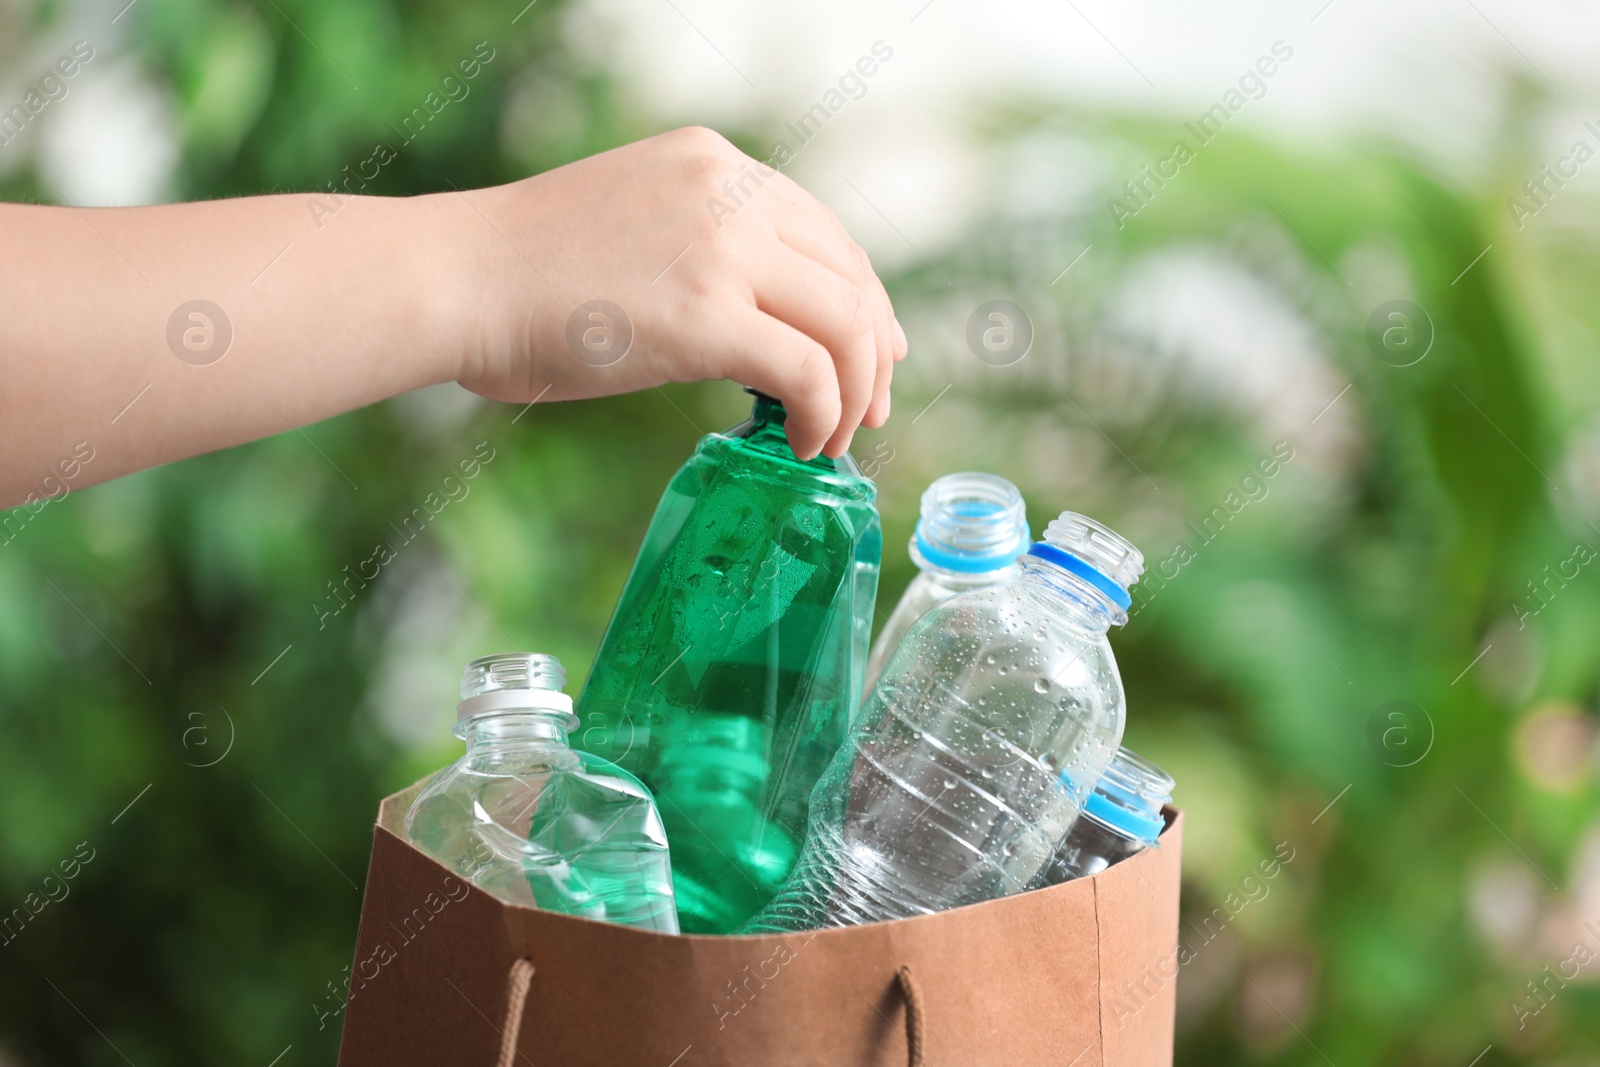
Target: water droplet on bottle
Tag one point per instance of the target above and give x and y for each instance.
(989, 659)
(1041, 685)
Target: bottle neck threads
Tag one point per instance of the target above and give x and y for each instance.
(1129, 797)
(972, 523)
(514, 698)
(1090, 564)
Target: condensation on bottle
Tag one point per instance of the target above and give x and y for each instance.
(751, 599)
(1122, 817)
(976, 751)
(972, 529)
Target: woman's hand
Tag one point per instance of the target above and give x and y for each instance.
(710, 265)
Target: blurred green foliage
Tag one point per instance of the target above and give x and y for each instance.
(160, 646)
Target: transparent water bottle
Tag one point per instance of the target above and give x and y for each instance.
(972, 529)
(965, 769)
(1122, 817)
(528, 818)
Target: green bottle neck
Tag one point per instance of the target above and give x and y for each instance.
(764, 432)
(769, 410)
(708, 781)
(716, 755)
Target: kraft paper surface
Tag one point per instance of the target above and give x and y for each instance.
(1082, 974)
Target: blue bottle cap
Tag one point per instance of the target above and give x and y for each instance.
(1094, 553)
(1129, 796)
(971, 523)
(1081, 567)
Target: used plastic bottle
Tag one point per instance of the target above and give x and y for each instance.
(959, 781)
(972, 529)
(733, 665)
(1122, 816)
(533, 821)
(715, 774)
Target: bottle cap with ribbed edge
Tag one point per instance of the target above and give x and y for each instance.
(1095, 553)
(515, 681)
(971, 523)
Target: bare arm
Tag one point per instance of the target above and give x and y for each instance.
(318, 306)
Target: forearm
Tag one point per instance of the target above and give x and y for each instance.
(309, 313)
(323, 319)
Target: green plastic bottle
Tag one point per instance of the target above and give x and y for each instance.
(735, 859)
(734, 662)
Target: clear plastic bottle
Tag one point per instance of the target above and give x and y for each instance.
(528, 818)
(960, 777)
(1122, 817)
(972, 529)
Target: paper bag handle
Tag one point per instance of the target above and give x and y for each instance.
(908, 989)
(520, 979)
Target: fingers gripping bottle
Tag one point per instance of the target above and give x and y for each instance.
(958, 783)
(526, 817)
(733, 664)
(972, 529)
(1122, 817)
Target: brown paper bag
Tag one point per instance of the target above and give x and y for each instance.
(1078, 975)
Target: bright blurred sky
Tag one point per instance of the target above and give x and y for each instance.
(1425, 68)
(1433, 74)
